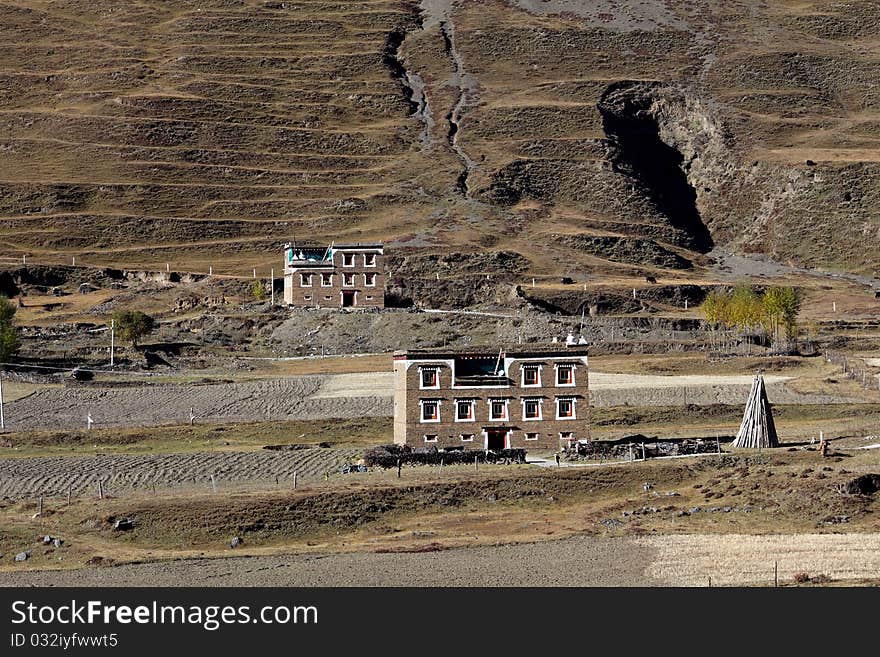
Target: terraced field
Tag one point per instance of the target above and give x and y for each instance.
(268, 399)
(54, 476)
(205, 133)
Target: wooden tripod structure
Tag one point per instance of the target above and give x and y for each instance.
(757, 429)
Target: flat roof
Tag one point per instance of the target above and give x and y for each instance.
(559, 350)
(358, 245)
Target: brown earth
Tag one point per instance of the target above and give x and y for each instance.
(207, 133)
(732, 514)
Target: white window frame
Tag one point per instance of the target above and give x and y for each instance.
(467, 440)
(323, 284)
(522, 372)
(429, 440)
(473, 405)
(540, 403)
(531, 433)
(436, 371)
(422, 419)
(570, 435)
(345, 280)
(370, 276)
(556, 376)
(303, 277)
(372, 260)
(328, 298)
(573, 415)
(348, 255)
(307, 297)
(506, 403)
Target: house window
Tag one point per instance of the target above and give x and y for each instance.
(305, 280)
(531, 409)
(565, 375)
(565, 409)
(328, 298)
(348, 259)
(566, 435)
(370, 280)
(430, 437)
(348, 280)
(531, 375)
(430, 377)
(498, 409)
(430, 411)
(531, 436)
(369, 260)
(369, 298)
(307, 297)
(326, 280)
(467, 437)
(464, 411)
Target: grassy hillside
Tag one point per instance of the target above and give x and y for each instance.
(207, 133)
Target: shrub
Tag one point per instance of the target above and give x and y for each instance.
(9, 342)
(132, 325)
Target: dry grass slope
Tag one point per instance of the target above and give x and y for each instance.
(206, 133)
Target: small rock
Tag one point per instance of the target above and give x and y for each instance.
(123, 524)
(727, 509)
(492, 497)
(694, 509)
(235, 542)
(47, 539)
(22, 556)
(57, 542)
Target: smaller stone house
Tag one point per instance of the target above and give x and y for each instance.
(336, 276)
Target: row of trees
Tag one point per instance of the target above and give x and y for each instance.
(744, 308)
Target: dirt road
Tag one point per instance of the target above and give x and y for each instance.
(678, 560)
(22, 477)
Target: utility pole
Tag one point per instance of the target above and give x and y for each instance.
(112, 341)
(2, 420)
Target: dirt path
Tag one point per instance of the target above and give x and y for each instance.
(678, 560)
(22, 477)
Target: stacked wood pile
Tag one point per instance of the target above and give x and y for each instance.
(638, 446)
(757, 430)
(388, 456)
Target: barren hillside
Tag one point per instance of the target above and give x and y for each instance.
(585, 136)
